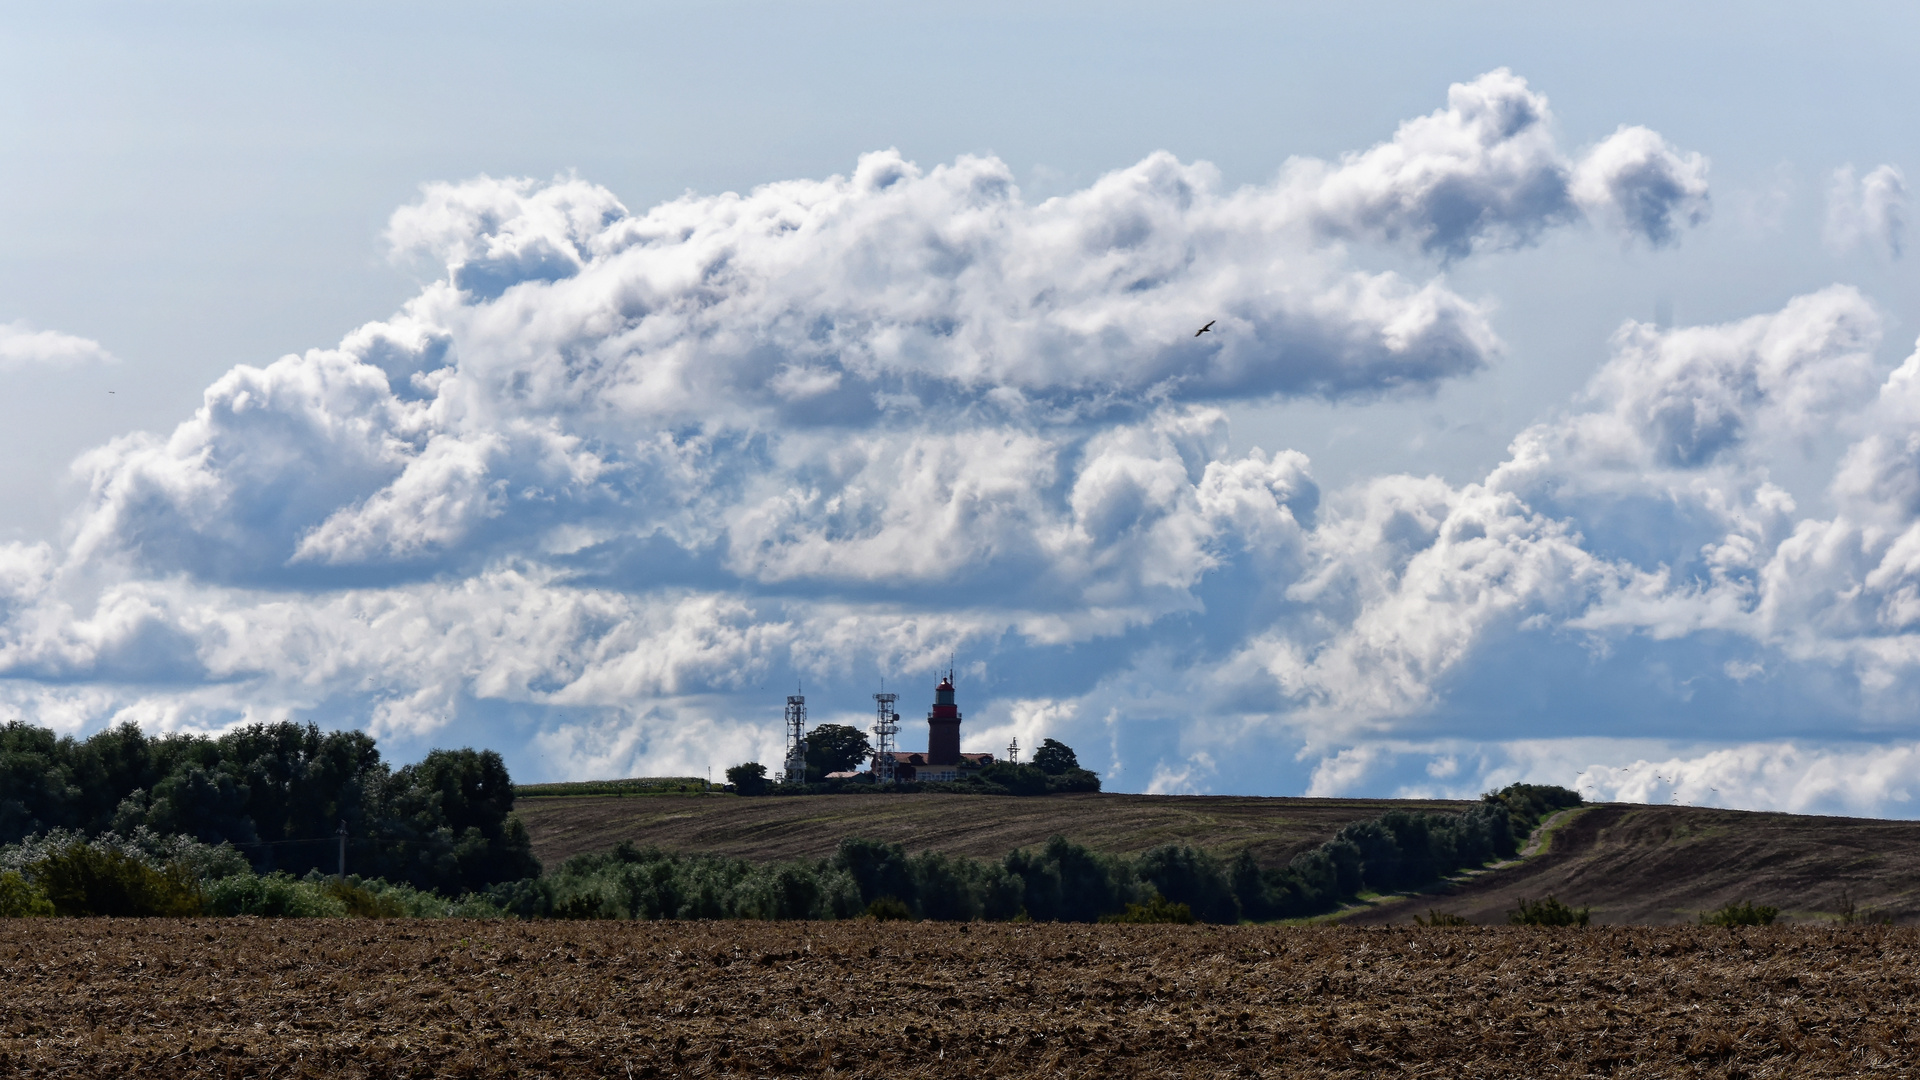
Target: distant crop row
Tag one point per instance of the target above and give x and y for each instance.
(643, 785)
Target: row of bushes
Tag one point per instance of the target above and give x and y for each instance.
(150, 875)
(278, 793)
(1398, 850)
(1060, 881)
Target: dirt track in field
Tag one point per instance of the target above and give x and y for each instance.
(983, 826)
(1655, 865)
(162, 999)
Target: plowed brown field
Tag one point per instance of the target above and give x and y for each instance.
(218, 998)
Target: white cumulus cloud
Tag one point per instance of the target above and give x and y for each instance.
(22, 346)
(615, 479)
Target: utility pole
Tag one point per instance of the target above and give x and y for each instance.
(343, 855)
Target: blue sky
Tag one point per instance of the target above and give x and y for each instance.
(575, 381)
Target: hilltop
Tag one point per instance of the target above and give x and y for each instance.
(1654, 865)
(1632, 863)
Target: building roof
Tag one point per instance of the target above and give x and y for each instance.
(919, 757)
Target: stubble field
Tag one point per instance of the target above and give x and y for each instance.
(313, 998)
(980, 826)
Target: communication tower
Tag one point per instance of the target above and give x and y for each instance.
(796, 740)
(885, 728)
(1013, 751)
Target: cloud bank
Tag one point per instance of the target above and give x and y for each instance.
(612, 480)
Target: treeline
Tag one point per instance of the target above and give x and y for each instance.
(1060, 881)
(1398, 850)
(278, 794)
(121, 824)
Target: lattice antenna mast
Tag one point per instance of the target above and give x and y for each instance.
(886, 729)
(796, 739)
(1013, 751)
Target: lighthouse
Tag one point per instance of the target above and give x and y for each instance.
(943, 726)
(942, 761)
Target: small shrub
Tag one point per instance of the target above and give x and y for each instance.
(274, 896)
(376, 898)
(1746, 914)
(1157, 910)
(81, 879)
(1852, 914)
(1547, 912)
(1441, 918)
(20, 898)
(888, 908)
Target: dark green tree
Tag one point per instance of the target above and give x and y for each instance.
(203, 803)
(1188, 876)
(36, 788)
(748, 778)
(447, 825)
(301, 784)
(107, 767)
(880, 870)
(1067, 882)
(835, 748)
(1055, 757)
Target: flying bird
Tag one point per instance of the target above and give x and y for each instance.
(1205, 328)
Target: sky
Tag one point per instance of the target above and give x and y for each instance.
(580, 381)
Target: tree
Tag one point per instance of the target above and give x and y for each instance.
(1055, 757)
(448, 824)
(36, 792)
(835, 748)
(749, 778)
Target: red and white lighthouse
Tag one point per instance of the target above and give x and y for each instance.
(943, 726)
